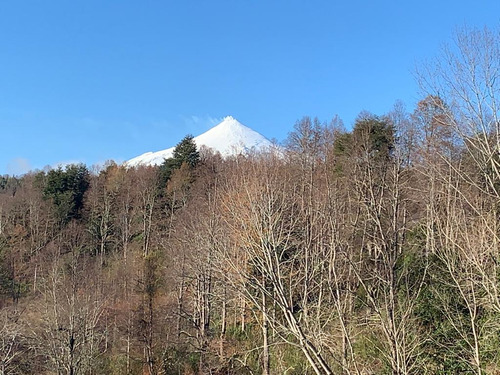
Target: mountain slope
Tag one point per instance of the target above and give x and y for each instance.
(230, 137)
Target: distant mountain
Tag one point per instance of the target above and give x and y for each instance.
(230, 137)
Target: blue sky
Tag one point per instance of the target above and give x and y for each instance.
(87, 81)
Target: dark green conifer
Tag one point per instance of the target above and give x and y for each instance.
(185, 152)
(66, 188)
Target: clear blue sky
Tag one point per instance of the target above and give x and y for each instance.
(96, 80)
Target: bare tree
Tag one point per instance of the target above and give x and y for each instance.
(266, 262)
(465, 231)
(12, 341)
(72, 308)
(383, 195)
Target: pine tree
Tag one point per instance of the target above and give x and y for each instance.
(185, 152)
(66, 189)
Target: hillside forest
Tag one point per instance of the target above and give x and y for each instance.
(370, 250)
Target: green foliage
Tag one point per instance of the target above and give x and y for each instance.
(3, 181)
(185, 152)
(9, 285)
(165, 172)
(176, 360)
(490, 341)
(5, 272)
(411, 266)
(374, 135)
(153, 279)
(370, 349)
(66, 189)
(117, 365)
(293, 360)
(342, 144)
(236, 333)
(446, 350)
(9, 184)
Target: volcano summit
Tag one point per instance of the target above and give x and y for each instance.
(230, 137)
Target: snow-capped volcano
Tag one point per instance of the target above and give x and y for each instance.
(230, 137)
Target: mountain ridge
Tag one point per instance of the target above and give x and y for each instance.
(229, 137)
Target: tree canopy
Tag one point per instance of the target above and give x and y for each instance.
(185, 152)
(66, 188)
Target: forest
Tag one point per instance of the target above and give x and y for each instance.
(370, 250)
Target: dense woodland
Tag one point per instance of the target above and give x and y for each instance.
(373, 250)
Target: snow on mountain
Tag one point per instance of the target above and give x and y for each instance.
(230, 137)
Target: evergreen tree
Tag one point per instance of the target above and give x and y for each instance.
(66, 189)
(185, 152)
(374, 135)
